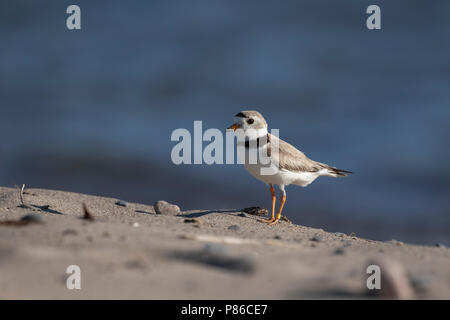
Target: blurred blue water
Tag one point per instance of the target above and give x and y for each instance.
(93, 110)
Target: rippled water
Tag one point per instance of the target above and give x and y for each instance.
(92, 110)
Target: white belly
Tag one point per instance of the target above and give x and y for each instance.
(282, 177)
(277, 176)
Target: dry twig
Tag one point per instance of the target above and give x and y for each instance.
(22, 202)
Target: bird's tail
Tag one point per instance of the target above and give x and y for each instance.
(335, 172)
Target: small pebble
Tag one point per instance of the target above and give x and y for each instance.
(243, 215)
(278, 237)
(317, 238)
(339, 251)
(234, 227)
(87, 213)
(440, 245)
(122, 203)
(396, 242)
(136, 224)
(165, 208)
(339, 234)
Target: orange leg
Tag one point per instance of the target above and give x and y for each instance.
(283, 200)
(274, 199)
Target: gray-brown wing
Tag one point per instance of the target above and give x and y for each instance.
(292, 159)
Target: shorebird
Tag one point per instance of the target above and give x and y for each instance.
(288, 164)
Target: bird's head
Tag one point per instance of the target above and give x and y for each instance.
(252, 122)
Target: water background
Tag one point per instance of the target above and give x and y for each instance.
(92, 111)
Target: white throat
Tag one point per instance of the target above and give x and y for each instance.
(253, 134)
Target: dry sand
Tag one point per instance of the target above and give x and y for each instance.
(132, 253)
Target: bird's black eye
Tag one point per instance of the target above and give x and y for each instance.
(250, 121)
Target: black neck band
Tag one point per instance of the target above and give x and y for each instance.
(258, 143)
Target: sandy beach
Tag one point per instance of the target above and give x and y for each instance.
(127, 251)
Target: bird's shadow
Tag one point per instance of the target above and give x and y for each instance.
(206, 212)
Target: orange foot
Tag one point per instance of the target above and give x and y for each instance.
(275, 221)
(271, 220)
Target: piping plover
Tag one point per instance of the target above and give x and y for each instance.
(288, 164)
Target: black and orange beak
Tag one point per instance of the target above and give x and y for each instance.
(234, 126)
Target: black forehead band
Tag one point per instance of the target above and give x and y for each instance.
(240, 114)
